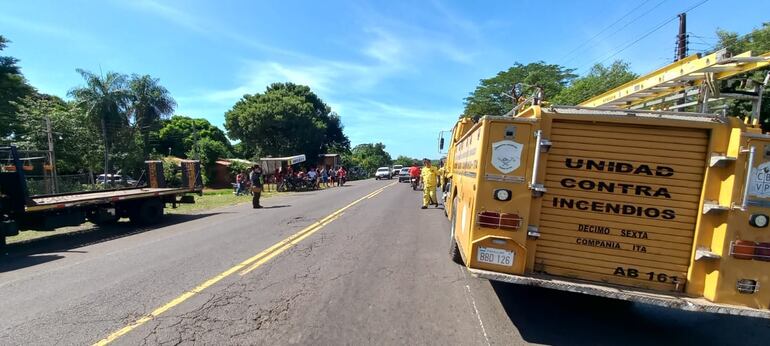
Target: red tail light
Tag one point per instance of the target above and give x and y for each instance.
(748, 250)
(742, 249)
(491, 219)
(762, 252)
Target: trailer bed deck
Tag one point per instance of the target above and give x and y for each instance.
(98, 197)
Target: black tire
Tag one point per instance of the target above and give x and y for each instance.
(101, 220)
(454, 249)
(148, 212)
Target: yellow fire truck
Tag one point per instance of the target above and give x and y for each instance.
(656, 206)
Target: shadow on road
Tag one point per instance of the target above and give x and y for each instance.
(552, 317)
(26, 253)
(277, 206)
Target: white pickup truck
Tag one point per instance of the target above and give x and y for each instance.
(383, 173)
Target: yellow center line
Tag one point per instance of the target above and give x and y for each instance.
(287, 246)
(255, 261)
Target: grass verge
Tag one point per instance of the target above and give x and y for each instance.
(215, 198)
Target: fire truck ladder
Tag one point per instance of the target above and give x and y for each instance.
(691, 76)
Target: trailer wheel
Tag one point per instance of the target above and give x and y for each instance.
(147, 212)
(454, 249)
(102, 220)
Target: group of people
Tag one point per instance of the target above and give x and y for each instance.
(250, 182)
(316, 176)
(431, 176)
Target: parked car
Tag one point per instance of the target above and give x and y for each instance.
(396, 170)
(116, 179)
(383, 173)
(403, 175)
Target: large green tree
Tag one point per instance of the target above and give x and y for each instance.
(758, 40)
(368, 156)
(105, 100)
(150, 102)
(405, 161)
(13, 87)
(598, 80)
(180, 133)
(76, 144)
(208, 151)
(490, 97)
(286, 119)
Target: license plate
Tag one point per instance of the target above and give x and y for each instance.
(495, 256)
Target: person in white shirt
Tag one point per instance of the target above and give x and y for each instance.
(312, 175)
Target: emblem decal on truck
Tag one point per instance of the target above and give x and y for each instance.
(759, 185)
(506, 155)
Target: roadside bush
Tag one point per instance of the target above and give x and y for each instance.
(172, 172)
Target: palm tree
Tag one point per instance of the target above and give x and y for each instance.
(105, 100)
(150, 102)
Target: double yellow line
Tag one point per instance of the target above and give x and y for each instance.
(250, 264)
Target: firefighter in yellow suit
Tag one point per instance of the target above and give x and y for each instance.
(442, 179)
(429, 175)
(441, 176)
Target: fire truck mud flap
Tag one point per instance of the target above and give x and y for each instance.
(622, 293)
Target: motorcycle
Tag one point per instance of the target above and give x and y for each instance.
(415, 181)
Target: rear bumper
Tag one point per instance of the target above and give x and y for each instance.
(623, 293)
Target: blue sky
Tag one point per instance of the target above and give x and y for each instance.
(395, 71)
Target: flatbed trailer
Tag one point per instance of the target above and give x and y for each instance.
(45, 203)
(142, 205)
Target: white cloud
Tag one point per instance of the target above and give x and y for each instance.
(455, 20)
(203, 26)
(403, 48)
(47, 29)
(324, 77)
(405, 130)
(385, 47)
(172, 14)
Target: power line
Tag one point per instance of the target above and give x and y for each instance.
(632, 21)
(603, 30)
(656, 28)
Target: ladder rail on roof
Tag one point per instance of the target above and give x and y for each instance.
(685, 78)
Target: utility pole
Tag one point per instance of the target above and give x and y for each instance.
(106, 151)
(51, 154)
(681, 45)
(197, 146)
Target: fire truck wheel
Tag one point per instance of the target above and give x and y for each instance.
(454, 249)
(148, 212)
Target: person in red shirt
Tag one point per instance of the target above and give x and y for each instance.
(341, 176)
(414, 171)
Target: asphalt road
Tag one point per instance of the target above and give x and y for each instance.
(375, 272)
